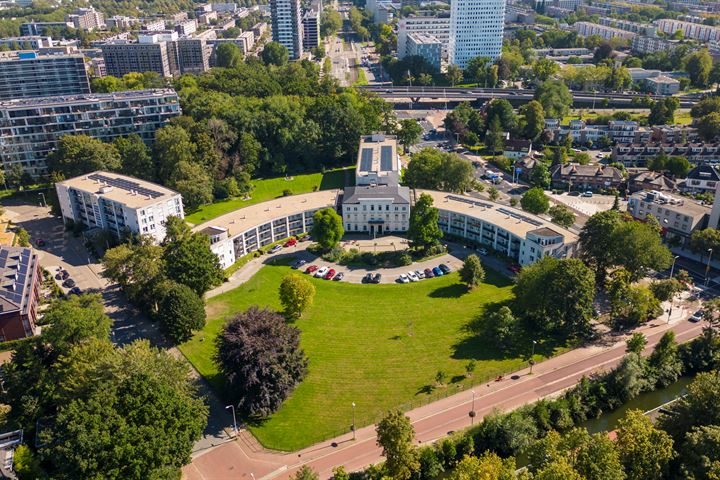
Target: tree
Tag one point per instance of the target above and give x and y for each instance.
(472, 272)
(493, 193)
(540, 176)
(636, 343)
(192, 181)
(274, 53)
(596, 241)
(557, 294)
(487, 466)
(699, 408)
(645, 451)
(181, 311)
(262, 362)
(495, 138)
(534, 117)
(700, 453)
(75, 320)
(26, 464)
(664, 361)
(703, 240)
(678, 166)
(633, 305)
(454, 74)
(188, 258)
(113, 414)
(562, 215)
(664, 290)
(638, 247)
(544, 68)
(296, 294)
(535, 201)
(424, 231)
(409, 133)
(555, 98)
(330, 22)
(709, 126)
(327, 228)
(500, 327)
(228, 55)
(22, 237)
(305, 473)
(81, 154)
(504, 112)
(171, 147)
(698, 65)
(135, 159)
(395, 435)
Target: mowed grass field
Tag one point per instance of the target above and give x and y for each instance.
(269, 188)
(379, 346)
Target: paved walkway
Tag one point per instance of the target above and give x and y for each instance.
(244, 458)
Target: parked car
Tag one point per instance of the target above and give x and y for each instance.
(403, 278)
(75, 291)
(482, 251)
(587, 194)
(428, 273)
(515, 268)
(376, 278)
(437, 272)
(276, 248)
(445, 269)
(321, 272)
(311, 269)
(63, 275)
(290, 243)
(330, 274)
(339, 276)
(697, 316)
(420, 274)
(69, 283)
(299, 264)
(306, 238)
(368, 278)
(40, 242)
(412, 276)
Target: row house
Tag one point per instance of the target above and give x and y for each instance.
(637, 155)
(586, 177)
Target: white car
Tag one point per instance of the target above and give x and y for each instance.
(413, 277)
(403, 278)
(482, 251)
(321, 272)
(420, 274)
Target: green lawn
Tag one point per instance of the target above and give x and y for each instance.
(379, 346)
(269, 188)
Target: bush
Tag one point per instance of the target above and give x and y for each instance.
(405, 260)
(287, 192)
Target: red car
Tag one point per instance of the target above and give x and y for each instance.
(311, 269)
(515, 268)
(40, 242)
(290, 243)
(330, 274)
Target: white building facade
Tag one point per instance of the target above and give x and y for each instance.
(438, 27)
(476, 30)
(287, 27)
(118, 204)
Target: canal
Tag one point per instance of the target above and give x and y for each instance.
(645, 402)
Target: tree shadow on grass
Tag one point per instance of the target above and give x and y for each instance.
(455, 290)
(425, 390)
(457, 379)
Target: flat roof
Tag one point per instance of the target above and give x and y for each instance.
(513, 220)
(377, 155)
(243, 219)
(681, 204)
(87, 97)
(130, 191)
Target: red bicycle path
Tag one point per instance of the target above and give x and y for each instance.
(245, 458)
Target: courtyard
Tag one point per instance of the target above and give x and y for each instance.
(379, 346)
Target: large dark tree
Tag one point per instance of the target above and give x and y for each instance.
(596, 241)
(424, 231)
(327, 228)
(436, 170)
(260, 357)
(135, 157)
(274, 54)
(557, 294)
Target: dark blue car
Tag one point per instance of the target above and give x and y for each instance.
(437, 272)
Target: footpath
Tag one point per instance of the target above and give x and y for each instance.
(245, 458)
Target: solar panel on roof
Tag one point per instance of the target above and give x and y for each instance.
(125, 184)
(386, 158)
(366, 159)
(471, 202)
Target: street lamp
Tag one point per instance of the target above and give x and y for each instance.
(532, 360)
(44, 203)
(353, 424)
(672, 270)
(472, 410)
(707, 268)
(235, 430)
